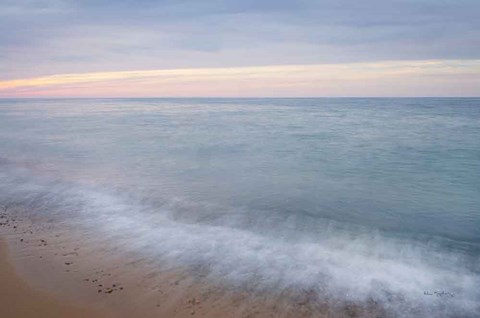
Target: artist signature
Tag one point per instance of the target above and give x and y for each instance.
(438, 293)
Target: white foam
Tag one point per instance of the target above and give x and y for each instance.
(343, 263)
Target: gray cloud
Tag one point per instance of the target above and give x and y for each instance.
(47, 37)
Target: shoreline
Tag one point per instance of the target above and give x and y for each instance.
(74, 268)
(70, 272)
(60, 263)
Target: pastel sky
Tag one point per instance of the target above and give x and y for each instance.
(136, 48)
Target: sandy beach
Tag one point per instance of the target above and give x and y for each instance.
(43, 274)
(19, 300)
(41, 277)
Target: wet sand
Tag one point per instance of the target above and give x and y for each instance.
(55, 270)
(70, 276)
(19, 300)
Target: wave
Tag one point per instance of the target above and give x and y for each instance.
(258, 250)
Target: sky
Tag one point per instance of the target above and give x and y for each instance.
(271, 48)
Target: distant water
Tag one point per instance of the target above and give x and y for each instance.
(355, 198)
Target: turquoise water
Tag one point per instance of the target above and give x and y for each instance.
(349, 196)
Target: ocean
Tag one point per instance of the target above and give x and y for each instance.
(354, 198)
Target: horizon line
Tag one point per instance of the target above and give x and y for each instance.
(233, 97)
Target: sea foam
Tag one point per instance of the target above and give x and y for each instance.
(338, 261)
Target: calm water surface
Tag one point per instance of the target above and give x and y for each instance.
(303, 192)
